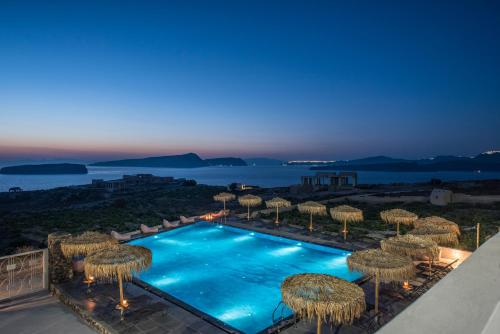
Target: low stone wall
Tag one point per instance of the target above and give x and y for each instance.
(60, 268)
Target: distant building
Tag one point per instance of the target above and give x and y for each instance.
(441, 197)
(130, 182)
(15, 190)
(323, 181)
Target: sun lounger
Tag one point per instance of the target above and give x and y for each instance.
(119, 236)
(185, 220)
(148, 230)
(167, 224)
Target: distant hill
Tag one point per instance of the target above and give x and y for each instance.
(44, 169)
(263, 162)
(226, 162)
(488, 161)
(189, 160)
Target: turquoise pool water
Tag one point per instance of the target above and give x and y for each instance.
(233, 274)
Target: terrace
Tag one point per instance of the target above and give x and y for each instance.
(151, 310)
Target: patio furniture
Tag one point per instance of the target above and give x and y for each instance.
(398, 216)
(185, 220)
(249, 201)
(118, 262)
(346, 214)
(384, 266)
(166, 224)
(277, 203)
(120, 237)
(324, 297)
(148, 230)
(312, 208)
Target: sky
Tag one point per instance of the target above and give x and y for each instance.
(283, 79)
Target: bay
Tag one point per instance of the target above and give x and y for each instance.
(263, 176)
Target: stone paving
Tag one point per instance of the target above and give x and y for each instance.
(39, 313)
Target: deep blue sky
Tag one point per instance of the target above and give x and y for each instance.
(287, 79)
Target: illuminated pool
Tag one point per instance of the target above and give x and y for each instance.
(232, 274)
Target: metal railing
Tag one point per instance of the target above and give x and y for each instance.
(23, 273)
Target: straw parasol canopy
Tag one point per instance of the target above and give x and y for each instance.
(277, 203)
(346, 214)
(398, 216)
(438, 221)
(86, 243)
(118, 262)
(411, 245)
(248, 201)
(312, 208)
(385, 266)
(439, 234)
(224, 197)
(324, 297)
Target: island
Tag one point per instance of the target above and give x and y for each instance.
(189, 160)
(45, 169)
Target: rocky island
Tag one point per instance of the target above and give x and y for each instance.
(189, 160)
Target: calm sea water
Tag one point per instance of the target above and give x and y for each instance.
(232, 274)
(264, 176)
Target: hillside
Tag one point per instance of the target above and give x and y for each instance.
(489, 161)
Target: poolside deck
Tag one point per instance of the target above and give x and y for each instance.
(150, 313)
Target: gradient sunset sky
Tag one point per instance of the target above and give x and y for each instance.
(285, 79)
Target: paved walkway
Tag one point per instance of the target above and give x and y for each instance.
(40, 313)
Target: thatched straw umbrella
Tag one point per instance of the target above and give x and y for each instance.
(439, 234)
(86, 243)
(346, 214)
(277, 203)
(411, 245)
(248, 201)
(398, 216)
(118, 262)
(438, 221)
(385, 266)
(324, 297)
(312, 208)
(224, 197)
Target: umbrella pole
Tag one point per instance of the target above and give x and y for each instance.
(345, 229)
(377, 284)
(318, 330)
(248, 213)
(277, 216)
(311, 222)
(120, 285)
(397, 228)
(224, 211)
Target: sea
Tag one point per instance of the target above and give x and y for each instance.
(262, 176)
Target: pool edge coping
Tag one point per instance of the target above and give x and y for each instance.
(213, 320)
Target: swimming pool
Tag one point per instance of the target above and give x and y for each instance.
(232, 274)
